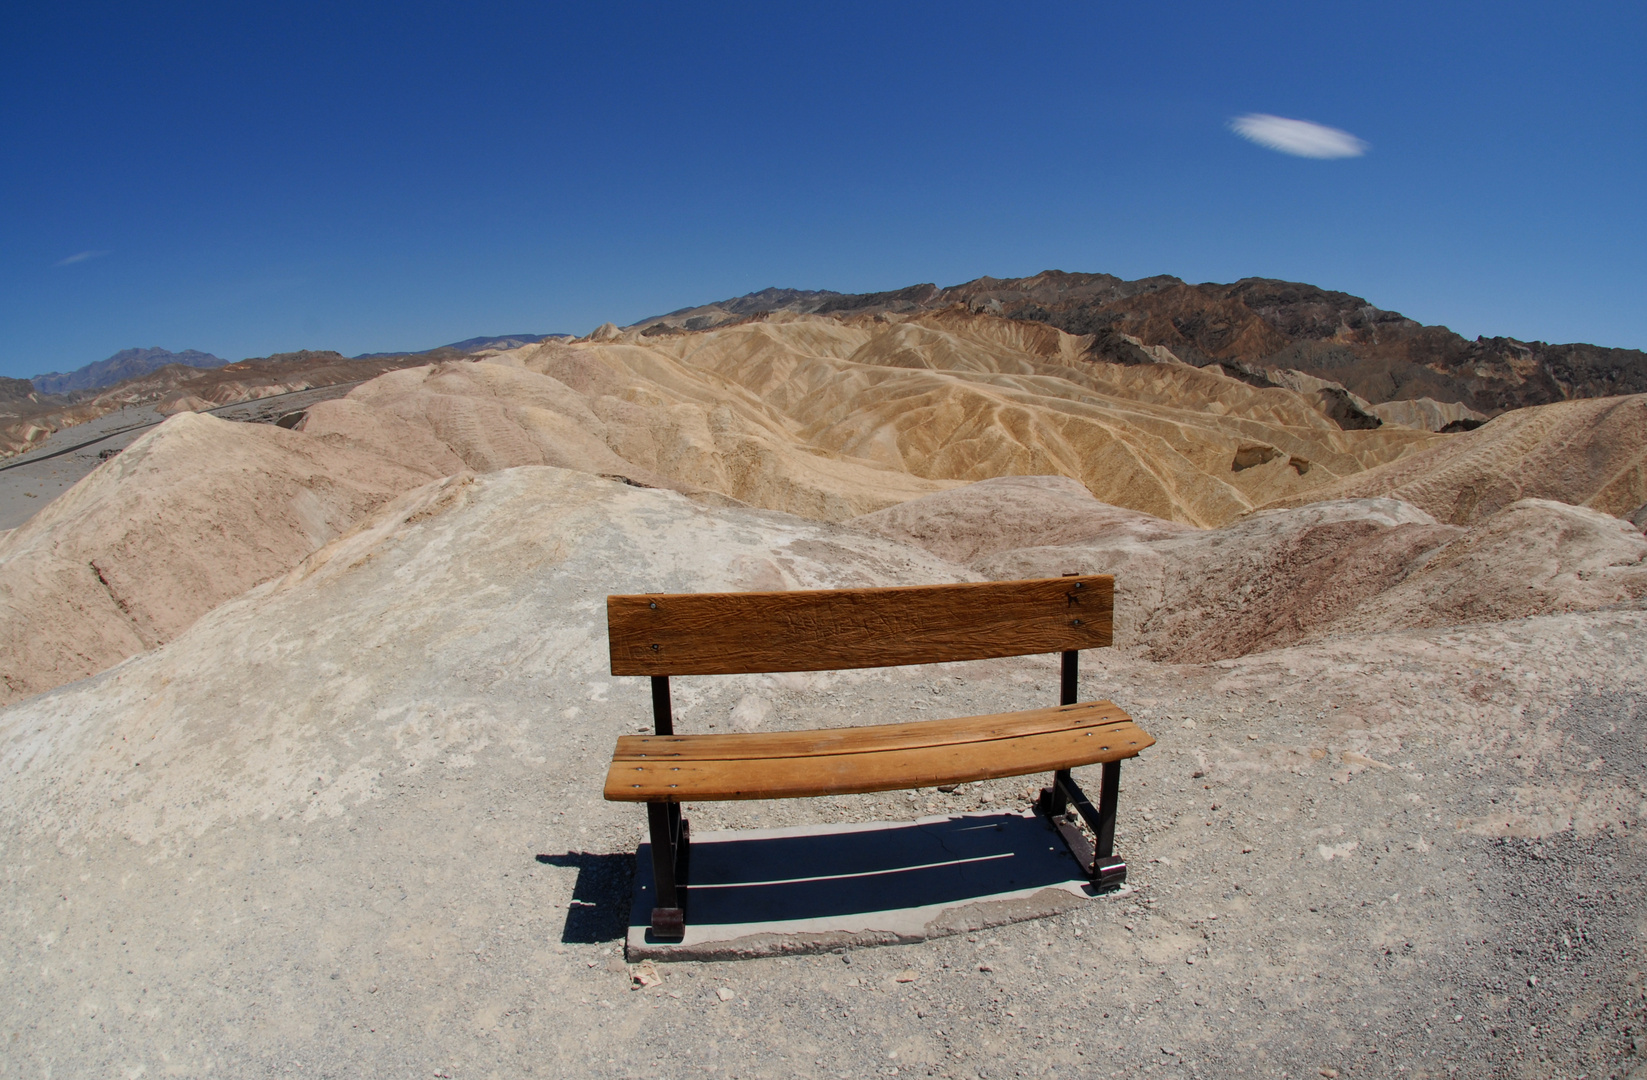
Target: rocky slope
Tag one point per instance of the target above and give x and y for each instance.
(1589, 453)
(834, 419)
(1279, 577)
(192, 514)
(350, 824)
(1376, 354)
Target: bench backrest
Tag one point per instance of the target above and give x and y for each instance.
(824, 629)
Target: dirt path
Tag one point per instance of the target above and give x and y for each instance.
(28, 482)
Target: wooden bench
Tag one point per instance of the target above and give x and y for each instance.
(660, 635)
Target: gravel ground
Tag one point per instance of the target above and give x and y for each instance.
(1260, 938)
(1263, 944)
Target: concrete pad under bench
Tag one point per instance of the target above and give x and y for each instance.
(818, 888)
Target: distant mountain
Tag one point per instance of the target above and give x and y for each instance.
(133, 363)
(16, 391)
(471, 345)
(1254, 324)
(506, 341)
(125, 364)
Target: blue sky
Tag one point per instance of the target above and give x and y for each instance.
(244, 179)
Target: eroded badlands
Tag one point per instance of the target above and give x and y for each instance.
(325, 797)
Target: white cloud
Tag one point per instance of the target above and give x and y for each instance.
(80, 256)
(1301, 138)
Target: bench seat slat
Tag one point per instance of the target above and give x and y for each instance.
(846, 761)
(872, 738)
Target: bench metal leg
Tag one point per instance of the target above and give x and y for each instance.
(1098, 860)
(671, 840)
(1108, 871)
(1054, 798)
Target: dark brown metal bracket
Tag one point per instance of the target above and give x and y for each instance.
(1066, 806)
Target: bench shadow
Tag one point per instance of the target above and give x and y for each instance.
(599, 909)
(824, 875)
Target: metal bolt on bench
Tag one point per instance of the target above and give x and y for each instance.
(661, 635)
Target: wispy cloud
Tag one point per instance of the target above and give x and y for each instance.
(1300, 138)
(79, 257)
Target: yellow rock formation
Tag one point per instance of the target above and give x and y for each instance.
(831, 419)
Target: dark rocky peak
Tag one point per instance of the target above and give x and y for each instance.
(301, 357)
(773, 299)
(1305, 311)
(18, 392)
(914, 298)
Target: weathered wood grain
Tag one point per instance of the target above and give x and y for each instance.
(816, 630)
(801, 764)
(869, 738)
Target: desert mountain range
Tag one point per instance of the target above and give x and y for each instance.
(1376, 366)
(303, 725)
(1252, 326)
(1368, 365)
